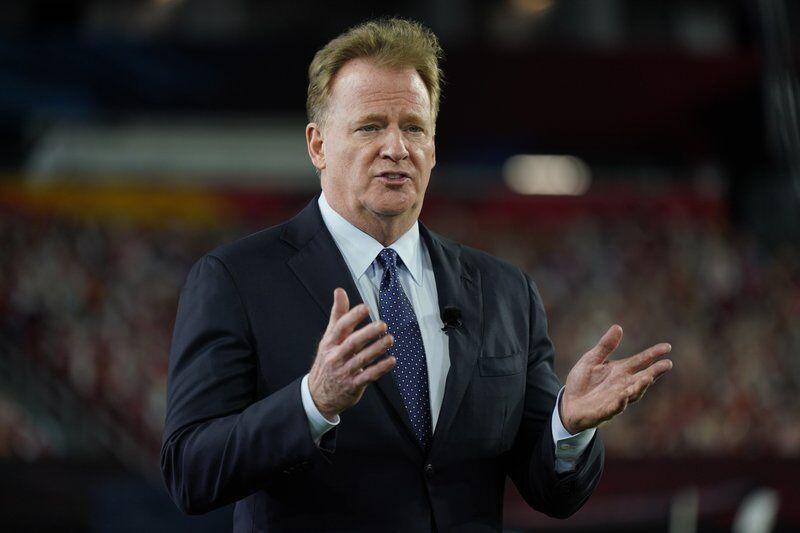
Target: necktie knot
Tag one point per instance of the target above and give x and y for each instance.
(388, 258)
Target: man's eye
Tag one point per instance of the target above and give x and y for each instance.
(415, 129)
(369, 127)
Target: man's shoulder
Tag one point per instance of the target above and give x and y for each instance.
(485, 262)
(254, 249)
(275, 243)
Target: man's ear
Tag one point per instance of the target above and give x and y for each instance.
(315, 145)
(433, 140)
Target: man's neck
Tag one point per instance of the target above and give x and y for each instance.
(384, 229)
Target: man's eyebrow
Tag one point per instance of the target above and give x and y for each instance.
(378, 117)
(414, 117)
(372, 117)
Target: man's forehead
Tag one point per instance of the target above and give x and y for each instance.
(363, 82)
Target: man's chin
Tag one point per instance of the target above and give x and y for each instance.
(392, 208)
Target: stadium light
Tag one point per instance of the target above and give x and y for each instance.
(532, 7)
(547, 174)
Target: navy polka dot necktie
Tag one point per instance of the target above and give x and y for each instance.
(411, 371)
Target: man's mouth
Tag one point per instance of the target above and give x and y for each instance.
(394, 177)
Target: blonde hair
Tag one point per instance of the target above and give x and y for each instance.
(392, 42)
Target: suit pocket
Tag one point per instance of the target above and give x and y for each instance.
(501, 366)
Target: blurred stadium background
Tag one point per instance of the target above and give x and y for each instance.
(641, 159)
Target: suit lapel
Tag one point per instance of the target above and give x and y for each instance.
(458, 284)
(320, 267)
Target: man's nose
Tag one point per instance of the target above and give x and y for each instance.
(394, 145)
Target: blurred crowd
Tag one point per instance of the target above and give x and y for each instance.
(92, 301)
(730, 309)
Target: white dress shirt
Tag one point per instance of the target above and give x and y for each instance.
(416, 277)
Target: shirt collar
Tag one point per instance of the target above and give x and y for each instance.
(360, 249)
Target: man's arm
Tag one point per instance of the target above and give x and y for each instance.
(220, 444)
(531, 462)
(317, 423)
(569, 447)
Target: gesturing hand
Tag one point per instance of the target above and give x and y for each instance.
(343, 367)
(598, 389)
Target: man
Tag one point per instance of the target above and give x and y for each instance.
(419, 438)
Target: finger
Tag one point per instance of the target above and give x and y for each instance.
(607, 344)
(360, 338)
(341, 303)
(656, 370)
(644, 359)
(372, 373)
(661, 374)
(365, 357)
(345, 325)
(638, 389)
(638, 396)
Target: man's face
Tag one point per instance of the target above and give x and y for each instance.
(377, 142)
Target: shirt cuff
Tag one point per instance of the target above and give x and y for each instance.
(317, 423)
(569, 447)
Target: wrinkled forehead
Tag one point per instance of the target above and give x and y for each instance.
(361, 85)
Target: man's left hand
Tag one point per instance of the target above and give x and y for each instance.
(598, 389)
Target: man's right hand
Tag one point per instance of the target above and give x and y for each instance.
(343, 367)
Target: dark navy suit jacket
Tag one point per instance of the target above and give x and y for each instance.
(249, 320)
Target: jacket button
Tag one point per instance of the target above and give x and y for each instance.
(429, 471)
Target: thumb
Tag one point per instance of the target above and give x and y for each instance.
(605, 346)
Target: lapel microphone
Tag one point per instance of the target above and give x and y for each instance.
(451, 316)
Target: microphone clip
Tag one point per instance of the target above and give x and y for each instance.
(451, 317)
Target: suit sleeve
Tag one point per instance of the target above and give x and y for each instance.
(531, 461)
(220, 443)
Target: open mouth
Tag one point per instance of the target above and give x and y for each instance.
(394, 177)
